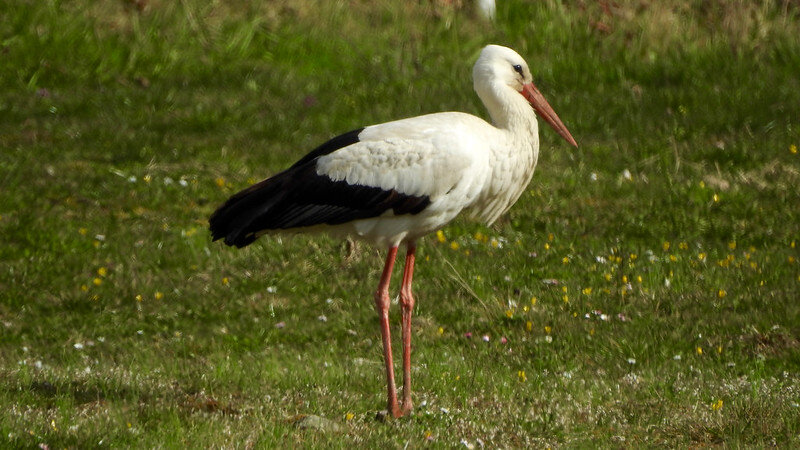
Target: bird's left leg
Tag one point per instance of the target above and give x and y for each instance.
(407, 306)
(382, 302)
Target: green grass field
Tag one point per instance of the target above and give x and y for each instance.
(643, 292)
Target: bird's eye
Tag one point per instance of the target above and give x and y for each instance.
(518, 69)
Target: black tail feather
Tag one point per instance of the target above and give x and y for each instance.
(231, 220)
(234, 220)
(299, 197)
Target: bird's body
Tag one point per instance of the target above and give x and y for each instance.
(450, 161)
(392, 183)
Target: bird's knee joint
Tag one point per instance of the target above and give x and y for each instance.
(407, 300)
(382, 302)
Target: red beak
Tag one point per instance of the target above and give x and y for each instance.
(544, 111)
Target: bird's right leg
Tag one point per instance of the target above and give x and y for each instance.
(382, 302)
(407, 306)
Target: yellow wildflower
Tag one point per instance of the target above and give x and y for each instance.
(97, 281)
(587, 291)
(454, 245)
(349, 416)
(793, 149)
(548, 329)
(665, 245)
(158, 295)
(509, 313)
(533, 301)
(440, 236)
(716, 198)
(441, 331)
(699, 350)
(529, 326)
(138, 297)
(220, 182)
(521, 376)
(721, 293)
(717, 405)
(225, 281)
(102, 271)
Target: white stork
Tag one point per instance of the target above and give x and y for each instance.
(391, 184)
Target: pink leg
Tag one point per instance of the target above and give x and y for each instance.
(407, 304)
(382, 302)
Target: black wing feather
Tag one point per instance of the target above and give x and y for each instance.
(299, 197)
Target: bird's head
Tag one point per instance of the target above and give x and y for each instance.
(499, 67)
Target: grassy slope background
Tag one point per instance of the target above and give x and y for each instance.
(645, 285)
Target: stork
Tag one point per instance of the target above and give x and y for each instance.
(392, 183)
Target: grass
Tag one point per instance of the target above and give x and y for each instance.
(645, 285)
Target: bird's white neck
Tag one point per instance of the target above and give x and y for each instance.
(510, 111)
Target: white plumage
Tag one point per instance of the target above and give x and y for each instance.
(431, 156)
(395, 182)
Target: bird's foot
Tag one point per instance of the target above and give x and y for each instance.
(394, 412)
(408, 406)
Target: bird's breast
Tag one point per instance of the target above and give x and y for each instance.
(512, 170)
